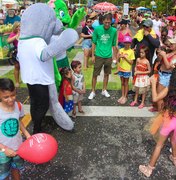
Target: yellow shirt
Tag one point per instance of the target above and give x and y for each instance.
(124, 65)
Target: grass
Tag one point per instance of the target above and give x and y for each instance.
(87, 75)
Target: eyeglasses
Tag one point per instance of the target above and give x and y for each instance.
(89, 21)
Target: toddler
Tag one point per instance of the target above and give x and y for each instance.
(78, 86)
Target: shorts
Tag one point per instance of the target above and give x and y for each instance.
(87, 44)
(166, 130)
(63, 63)
(8, 163)
(164, 78)
(124, 74)
(77, 98)
(99, 63)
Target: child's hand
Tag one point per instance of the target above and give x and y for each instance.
(135, 73)
(83, 91)
(66, 99)
(10, 152)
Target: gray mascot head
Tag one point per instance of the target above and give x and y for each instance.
(45, 26)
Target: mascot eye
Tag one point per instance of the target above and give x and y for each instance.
(61, 14)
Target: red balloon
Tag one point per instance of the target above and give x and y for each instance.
(39, 148)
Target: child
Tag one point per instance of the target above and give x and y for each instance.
(65, 94)
(10, 135)
(126, 56)
(141, 79)
(165, 123)
(78, 86)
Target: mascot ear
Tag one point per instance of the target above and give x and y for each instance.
(58, 27)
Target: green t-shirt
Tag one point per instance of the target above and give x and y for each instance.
(104, 40)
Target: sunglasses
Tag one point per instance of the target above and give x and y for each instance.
(145, 26)
(89, 21)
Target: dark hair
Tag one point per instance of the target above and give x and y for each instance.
(64, 71)
(146, 50)
(170, 99)
(107, 16)
(75, 64)
(6, 84)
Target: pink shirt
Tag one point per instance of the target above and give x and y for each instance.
(15, 42)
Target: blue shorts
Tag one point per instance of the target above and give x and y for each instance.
(87, 44)
(8, 163)
(164, 78)
(124, 74)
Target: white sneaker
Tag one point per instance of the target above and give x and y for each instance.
(92, 95)
(105, 93)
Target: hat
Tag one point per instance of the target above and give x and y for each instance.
(123, 21)
(93, 14)
(147, 14)
(148, 23)
(127, 39)
(172, 41)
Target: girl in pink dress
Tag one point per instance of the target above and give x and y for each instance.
(13, 38)
(164, 124)
(141, 77)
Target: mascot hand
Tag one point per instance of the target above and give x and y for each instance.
(77, 18)
(60, 44)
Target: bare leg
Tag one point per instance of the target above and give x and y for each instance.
(15, 174)
(143, 99)
(86, 58)
(105, 81)
(157, 150)
(17, 73)
(94, 82)
(74, 108)
(122, 87)
(80, 107)
(160, 102)
(126, 87)
(136, 95)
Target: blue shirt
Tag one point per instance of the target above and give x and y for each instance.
(11, 20)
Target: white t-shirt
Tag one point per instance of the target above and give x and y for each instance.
(10, 134)
(156, 25)
(33, 70)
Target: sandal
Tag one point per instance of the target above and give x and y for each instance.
(133, 103)
(73, 114)
(173, 159)
(81, 111)
(141, 106)
(146, 170)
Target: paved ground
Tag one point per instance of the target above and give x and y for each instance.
(101, 148)
(107, 145)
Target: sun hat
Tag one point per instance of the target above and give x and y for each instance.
(127, 39)
(93, 14)
(148, 23)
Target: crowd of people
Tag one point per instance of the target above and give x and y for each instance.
(142, 45)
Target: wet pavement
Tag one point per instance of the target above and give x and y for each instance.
(101, 148)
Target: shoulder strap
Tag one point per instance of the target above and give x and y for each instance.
(19, 105)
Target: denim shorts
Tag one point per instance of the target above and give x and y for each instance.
(124, 74)
(164, 78)
(8, 163)
(87, 44)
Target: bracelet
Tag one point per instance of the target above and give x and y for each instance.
(3, 149)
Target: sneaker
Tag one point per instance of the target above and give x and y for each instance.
(91, 96)
(105, 93)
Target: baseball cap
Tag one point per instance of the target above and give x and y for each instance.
(127, 39)
(172, 41)
(148, 23)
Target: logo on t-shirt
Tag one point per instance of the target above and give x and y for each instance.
(105, 38)
(10, 127)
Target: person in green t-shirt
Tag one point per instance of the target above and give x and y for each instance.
(103, 46)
